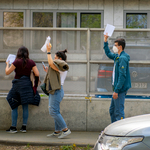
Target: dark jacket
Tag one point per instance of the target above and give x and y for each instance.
(52, 78)
(22, 93)
(122, 73)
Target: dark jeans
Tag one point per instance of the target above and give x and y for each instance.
(116, 109)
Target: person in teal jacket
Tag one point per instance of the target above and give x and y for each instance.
(121, 81)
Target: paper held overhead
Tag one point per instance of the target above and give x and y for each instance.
(109, 30)
(48, 39)
(11, 58)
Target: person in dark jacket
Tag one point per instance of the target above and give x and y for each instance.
(22, 92)
(55, 97)
(121, 81)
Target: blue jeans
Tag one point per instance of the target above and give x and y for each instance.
(116, 109)
(54, 109)
(14, 115)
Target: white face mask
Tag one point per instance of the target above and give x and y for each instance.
(115, 49)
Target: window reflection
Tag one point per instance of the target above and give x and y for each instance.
(136, 21)
(12, 38)
(90, 20)
(42, 19)
(68, 20)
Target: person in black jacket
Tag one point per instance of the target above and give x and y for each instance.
(22, 92)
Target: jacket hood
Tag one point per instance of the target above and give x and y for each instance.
(124, 54)
(61, 65)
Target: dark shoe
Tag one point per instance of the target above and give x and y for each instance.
(12, 130)
(23, 129)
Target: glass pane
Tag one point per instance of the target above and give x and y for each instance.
(5, 80)
(90, 20)
(137, 47)
(60, 40)
(75, 82)
(101, 78)
(12, 38)
(13, 19)
(39, 37)
(67, 39)
(68, 20)
(42, 19)
(136, 20)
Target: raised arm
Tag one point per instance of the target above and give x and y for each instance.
(49, 57)
(107, 50)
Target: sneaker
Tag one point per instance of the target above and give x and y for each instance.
(64, 133)
(53, 134)
(23, 129)
(12, 130)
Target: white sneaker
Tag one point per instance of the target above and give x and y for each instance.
(63, 134)
(53, 134)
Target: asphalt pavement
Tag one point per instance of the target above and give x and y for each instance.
(40, 138)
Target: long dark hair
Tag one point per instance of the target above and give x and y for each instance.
(62, 55)
(23, 54)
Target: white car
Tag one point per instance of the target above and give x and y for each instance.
(128, 134)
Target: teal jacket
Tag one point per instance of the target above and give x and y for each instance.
(122, 80)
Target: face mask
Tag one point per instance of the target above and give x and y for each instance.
(115, 49)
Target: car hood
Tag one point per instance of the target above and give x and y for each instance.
(132, 126)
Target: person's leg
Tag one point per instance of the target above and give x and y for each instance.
(119, 106)
(14, 116)
(54, 110)
(111, 111)
(25, 114)
(57, 128)
(25, 118)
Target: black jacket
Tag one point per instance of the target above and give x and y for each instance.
(22, 93)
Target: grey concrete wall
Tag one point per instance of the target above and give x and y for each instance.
(80, 114)
(113, 9)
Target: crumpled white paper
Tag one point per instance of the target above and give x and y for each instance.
(48, 39)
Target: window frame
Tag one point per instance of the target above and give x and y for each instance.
(2, 25)
(69, 11)
(2, 11)
(136, 12)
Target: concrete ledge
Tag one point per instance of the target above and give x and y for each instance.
(79, 113)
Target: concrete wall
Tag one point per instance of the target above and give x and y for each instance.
(80, 114)
(113, 9)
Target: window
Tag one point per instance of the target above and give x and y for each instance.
(136, 20)
(68, 20)
(13, 19)
(66, 39)
(11, 38)
(90, 20)
(42, 19)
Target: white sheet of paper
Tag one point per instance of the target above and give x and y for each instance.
(48, 39)
(109, 29)
(11, 58)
